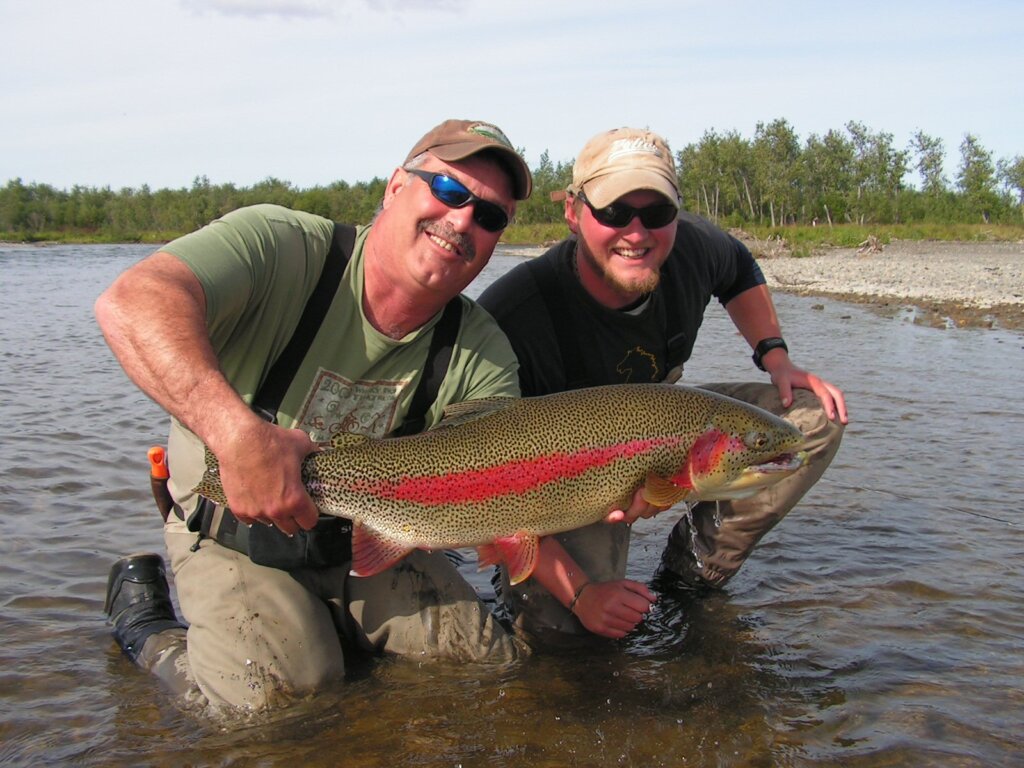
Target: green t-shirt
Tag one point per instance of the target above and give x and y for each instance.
(258, 266)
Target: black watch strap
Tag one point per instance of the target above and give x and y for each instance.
(764, 346)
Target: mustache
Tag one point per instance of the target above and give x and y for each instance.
(447, 232)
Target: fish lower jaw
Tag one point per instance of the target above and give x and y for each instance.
(750, 481)
(731, 495)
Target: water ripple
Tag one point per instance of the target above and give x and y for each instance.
(879, 624)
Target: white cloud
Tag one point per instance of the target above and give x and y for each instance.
(307, 9)
(259, 8)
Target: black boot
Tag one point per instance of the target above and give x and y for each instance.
(139, 601)
(681, 567)
(710, 544)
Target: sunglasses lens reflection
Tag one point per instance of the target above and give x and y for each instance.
(449, 191)
(455, 195)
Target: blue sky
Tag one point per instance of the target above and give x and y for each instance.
(123, 93)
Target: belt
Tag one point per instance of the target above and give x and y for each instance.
(327, 545)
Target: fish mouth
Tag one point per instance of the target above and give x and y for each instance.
(786, 463)
(757, 477)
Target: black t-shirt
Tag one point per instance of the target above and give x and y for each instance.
(599, 345)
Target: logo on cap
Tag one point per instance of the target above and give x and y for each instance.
(490, 132)
(622, 147)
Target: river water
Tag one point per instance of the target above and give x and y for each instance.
(880, 624)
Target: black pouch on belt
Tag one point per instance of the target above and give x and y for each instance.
(327, 544)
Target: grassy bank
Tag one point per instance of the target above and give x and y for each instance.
(803, 240)
(88, 237)
(799, 240)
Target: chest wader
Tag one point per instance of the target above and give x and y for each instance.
(329, 543)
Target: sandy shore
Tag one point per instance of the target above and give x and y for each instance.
(979, 285)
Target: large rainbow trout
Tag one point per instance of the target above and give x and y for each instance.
(496, 474)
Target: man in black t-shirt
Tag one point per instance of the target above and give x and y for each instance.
(621, 301)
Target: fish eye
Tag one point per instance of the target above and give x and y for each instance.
(756, 440)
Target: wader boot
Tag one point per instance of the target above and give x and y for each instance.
(709, 544)
(139, 606)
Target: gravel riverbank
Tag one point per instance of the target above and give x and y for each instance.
(978, 285)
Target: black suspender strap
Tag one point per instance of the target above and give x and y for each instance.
(570, 338)
(268, 398)
(438, 359)
(272, 391)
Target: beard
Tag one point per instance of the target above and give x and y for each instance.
(627, 287)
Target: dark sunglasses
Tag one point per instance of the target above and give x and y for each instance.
(619, 215)
(488, 215)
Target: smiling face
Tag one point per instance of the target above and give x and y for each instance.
(426, 245)
(618, 266)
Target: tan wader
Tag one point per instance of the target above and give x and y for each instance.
(260, 636)
(726, 533)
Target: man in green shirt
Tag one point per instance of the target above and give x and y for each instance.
(198, 325)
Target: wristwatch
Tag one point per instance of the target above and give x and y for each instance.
(764, 346)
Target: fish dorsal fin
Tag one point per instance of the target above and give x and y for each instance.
(348, 440)
(470, 410)
(372, 552)
(662, 492)
(518, 552)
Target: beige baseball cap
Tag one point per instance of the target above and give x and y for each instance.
(455, 140)
(620, 161)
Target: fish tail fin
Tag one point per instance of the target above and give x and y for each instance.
(518, 553)
(210, 486)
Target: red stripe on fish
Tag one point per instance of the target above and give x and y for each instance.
(514, 477)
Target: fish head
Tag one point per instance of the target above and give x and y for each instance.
(742, 450)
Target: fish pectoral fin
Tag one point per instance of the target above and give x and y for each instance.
(372, 552)
(663, 492)
(470, 410)
(518, 553)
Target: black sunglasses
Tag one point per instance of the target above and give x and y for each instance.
(619, 215)
(453, 193)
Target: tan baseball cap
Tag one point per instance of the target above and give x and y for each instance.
(455, 140)
(620, 161)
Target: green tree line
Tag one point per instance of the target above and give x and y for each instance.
(853, 176)
(849, 176)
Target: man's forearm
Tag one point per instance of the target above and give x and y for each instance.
(153, 318)
(557, 571)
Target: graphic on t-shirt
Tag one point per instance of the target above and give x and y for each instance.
(337, 404)
(638, 366)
